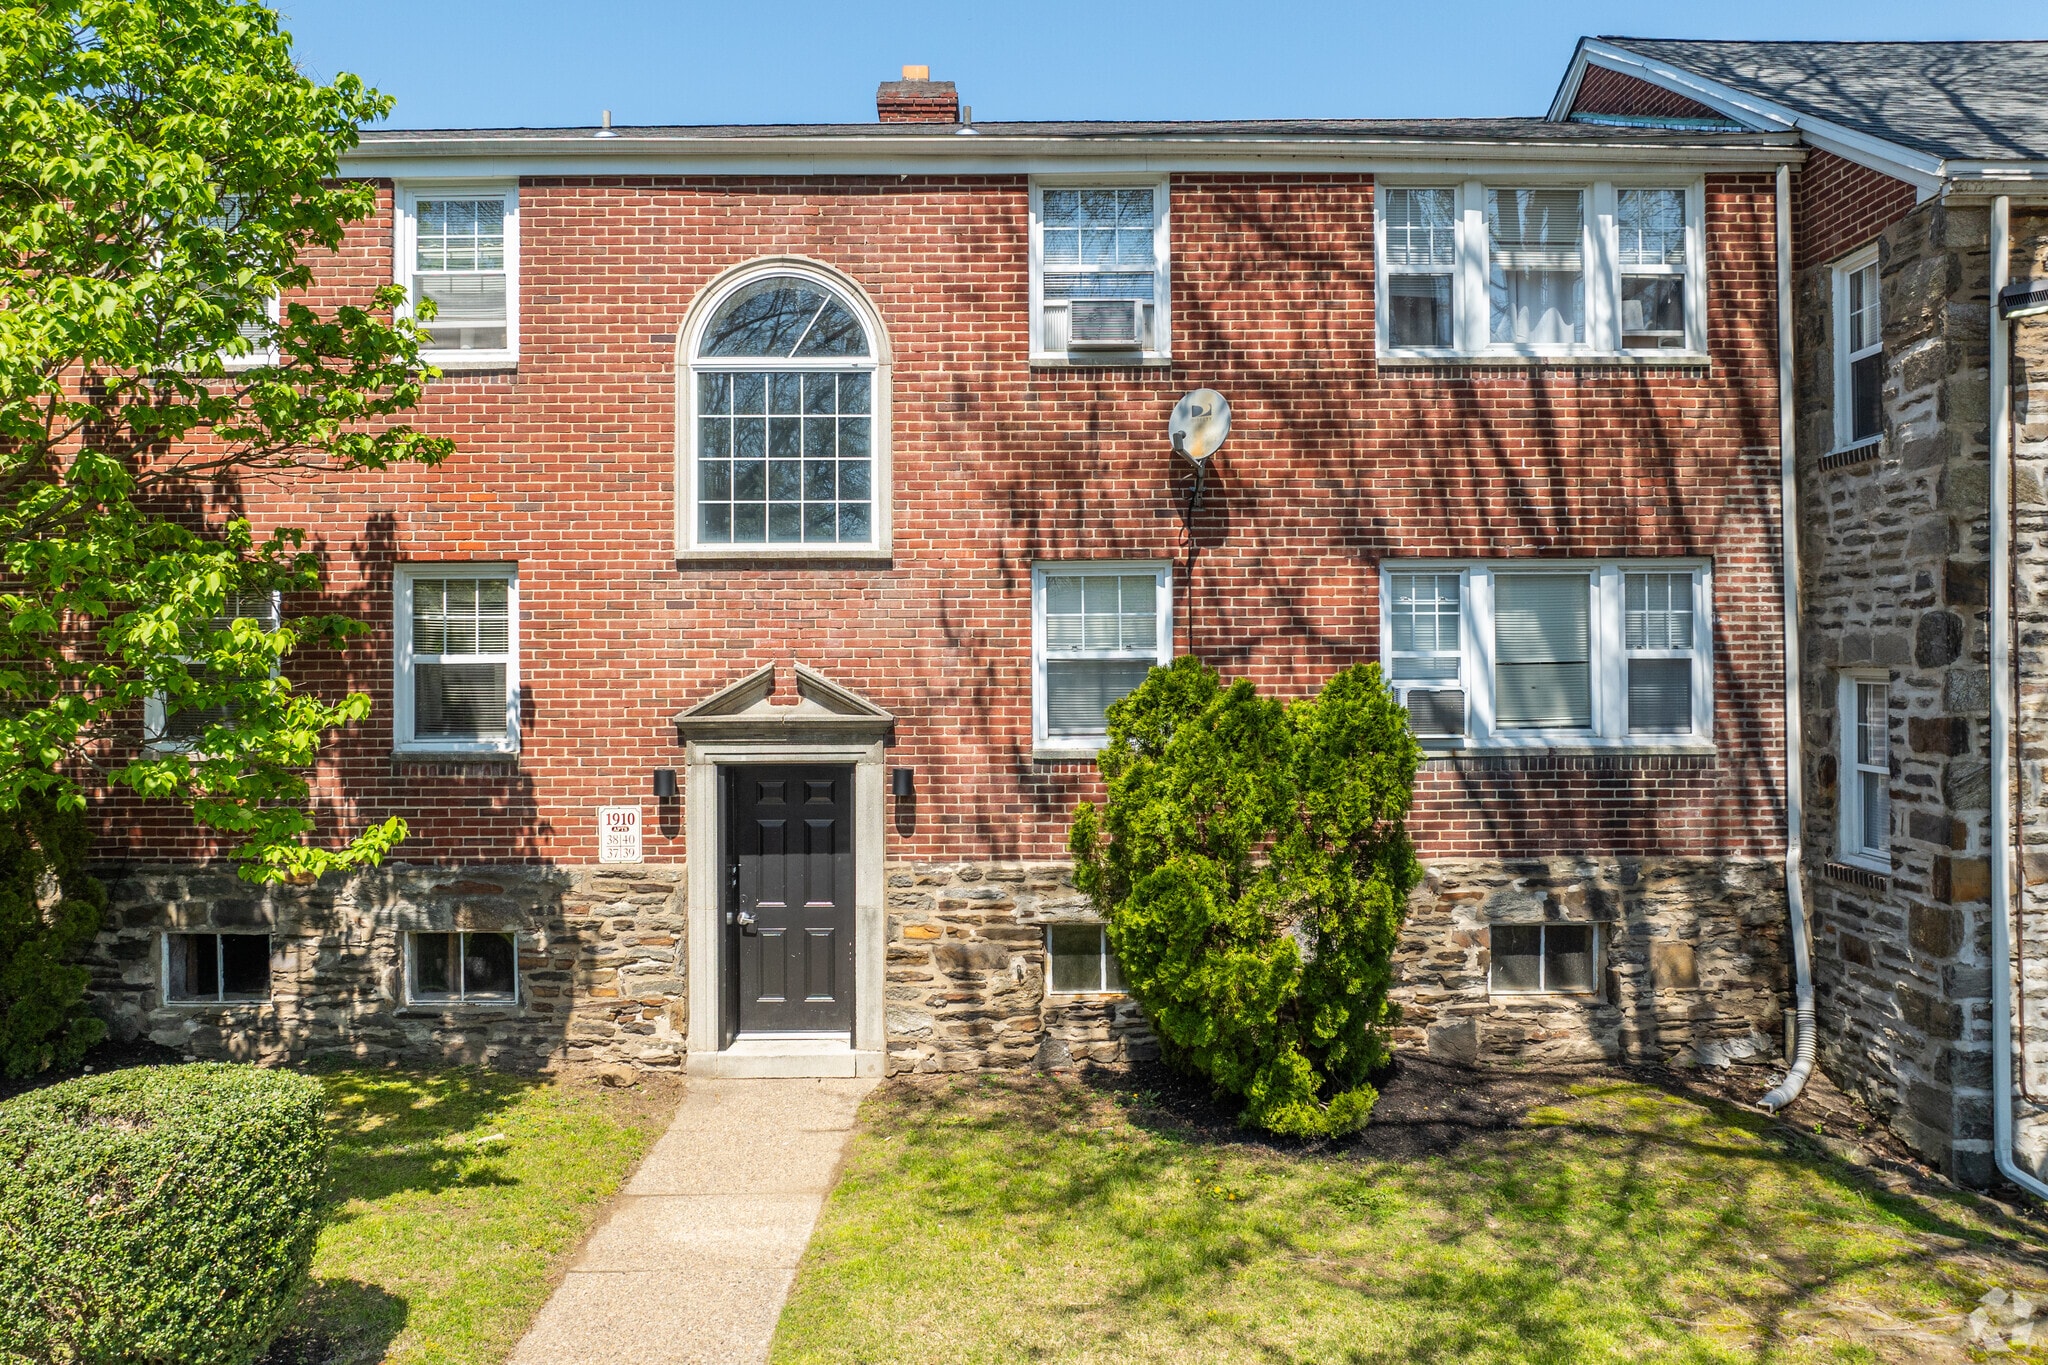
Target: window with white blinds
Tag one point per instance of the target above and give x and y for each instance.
(253, 344)
(1099, 629)
(1522, 653)
(461, 251)
(172, 723)
(1422, 257)
(1098, 280)
(1859, 351)
(1651, 230)
(458, 658)
(1425, 619)
(1481, 268)
(1866, 770)
(1543, 651)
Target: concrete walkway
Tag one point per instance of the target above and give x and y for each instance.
(695, 1257)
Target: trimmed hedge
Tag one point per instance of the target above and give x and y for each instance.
(159, 1214)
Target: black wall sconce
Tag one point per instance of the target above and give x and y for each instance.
(900, 785)
(665, 784)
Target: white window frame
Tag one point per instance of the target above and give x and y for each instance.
(1600, 247)
(1848, 847)
(220, 997)
(876, 364)
(1608, 623)
(1049, 746)
(1161, 352)
(1845, 397)
(153, 706)
(1595, 945)
(458, 998)
(1106, 956)
(406, 255)
(265, 354)
(402, 658)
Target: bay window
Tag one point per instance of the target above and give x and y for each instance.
(1516, 654)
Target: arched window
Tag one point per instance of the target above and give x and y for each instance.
(784, 417)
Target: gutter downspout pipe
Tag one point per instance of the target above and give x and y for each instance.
(1788, 1089)
(2002, 832)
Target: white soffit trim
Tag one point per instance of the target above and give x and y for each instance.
(991, 154)
(1924, 171)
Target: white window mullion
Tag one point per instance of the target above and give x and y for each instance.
(1472, 307)
(1603, 275)
(1610, 660)
(1479, 649)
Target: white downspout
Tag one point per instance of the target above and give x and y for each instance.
(2001, 714)
(1795, 807)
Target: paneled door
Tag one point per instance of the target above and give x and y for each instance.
(789, 889)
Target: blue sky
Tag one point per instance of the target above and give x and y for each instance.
(525, 63)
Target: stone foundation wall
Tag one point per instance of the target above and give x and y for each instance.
(601, 954)
(1691, 964)
(967, 973)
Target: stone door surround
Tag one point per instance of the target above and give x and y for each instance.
(827, 724)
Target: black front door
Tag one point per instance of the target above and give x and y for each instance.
(789, 884)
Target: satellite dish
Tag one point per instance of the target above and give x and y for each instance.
(1199, 423)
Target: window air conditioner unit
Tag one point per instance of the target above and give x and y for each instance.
(1103, 325)
(1436, 712)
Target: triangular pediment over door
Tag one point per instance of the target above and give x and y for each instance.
(744, 710)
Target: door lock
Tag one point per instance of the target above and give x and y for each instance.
(745, 920)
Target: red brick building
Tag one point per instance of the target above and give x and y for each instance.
(814, 494)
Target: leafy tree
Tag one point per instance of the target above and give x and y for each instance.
(1253, 867)
(165, 170)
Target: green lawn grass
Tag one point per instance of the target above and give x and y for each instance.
(1035, 1219)
(455, 1195)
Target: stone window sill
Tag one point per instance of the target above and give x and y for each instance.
(1064, 753)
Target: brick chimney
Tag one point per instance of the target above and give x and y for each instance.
(917, 98)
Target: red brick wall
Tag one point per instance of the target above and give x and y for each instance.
(1605, 91)
(568, 468)
(1838, 205)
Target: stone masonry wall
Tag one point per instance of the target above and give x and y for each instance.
(1691, 965)
(1894, 562)
(601, 954)
(967, 973)
(2029, 371)
(1691, 970)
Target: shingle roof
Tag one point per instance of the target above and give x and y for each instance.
(1982, 101)
(1475, 129)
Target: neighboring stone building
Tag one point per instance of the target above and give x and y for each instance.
(1892, 249)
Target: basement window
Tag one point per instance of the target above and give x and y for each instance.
(206, 969)
(1540, 959)
(462, 968)
(1080, 961)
